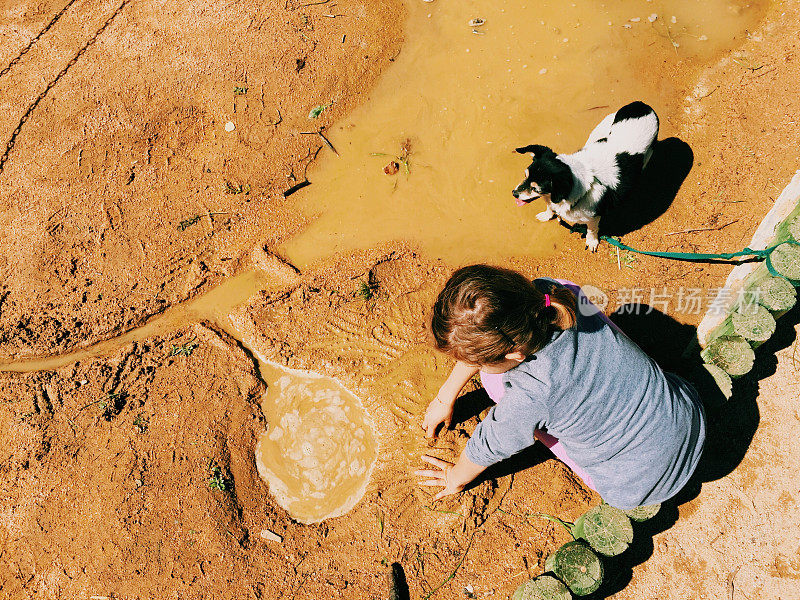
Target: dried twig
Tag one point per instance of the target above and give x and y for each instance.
(295, 188)
(327, 142)
(709, 93)
(311, 156)
(720, 228)
(453, 574)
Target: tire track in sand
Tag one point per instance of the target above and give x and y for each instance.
(51, 84)
(36, 38)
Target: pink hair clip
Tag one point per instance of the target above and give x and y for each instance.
(547, 299)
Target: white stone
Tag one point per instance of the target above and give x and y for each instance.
(271, 536)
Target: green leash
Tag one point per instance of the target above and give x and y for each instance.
(764, 254)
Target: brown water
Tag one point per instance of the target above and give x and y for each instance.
(320, 445)
(213, 306)
(536, 72)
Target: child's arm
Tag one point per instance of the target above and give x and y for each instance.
(453, 477)
(440, 410)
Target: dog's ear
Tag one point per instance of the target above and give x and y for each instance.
(534, 150)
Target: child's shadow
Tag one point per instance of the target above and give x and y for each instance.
(730, 424)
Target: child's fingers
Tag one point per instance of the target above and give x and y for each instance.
(430, 473)
(436, 462)
(431, 430)
(441, 494)
(432, 483)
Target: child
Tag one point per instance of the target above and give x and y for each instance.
(632, 432)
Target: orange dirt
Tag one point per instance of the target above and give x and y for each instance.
(93, 215)
(106, 463)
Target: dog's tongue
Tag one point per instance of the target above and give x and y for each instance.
(520, 202)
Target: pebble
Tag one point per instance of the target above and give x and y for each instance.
(674, 19)
(652, 18)
(542, 71)
(229, 126)
(703, 38)
(636, 19)
(271, 535)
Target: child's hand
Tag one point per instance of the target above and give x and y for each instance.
(438, 412)
(440, 477)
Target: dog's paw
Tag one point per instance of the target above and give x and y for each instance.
(591, 244)
(545, 215)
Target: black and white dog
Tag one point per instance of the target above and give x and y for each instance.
(582, 187)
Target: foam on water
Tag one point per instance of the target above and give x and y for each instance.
(319, 448)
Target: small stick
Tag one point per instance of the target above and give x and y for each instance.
(296, 188)
(324, 139)
(312, 156)
(721, 227)
(327, 142)
(709, 93)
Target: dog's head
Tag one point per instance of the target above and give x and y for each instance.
(546, 177)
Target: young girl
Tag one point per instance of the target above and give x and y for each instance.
(631, 431)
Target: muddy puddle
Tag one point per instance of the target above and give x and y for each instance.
(461, 96)
(319, 449)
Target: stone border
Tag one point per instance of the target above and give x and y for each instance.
(727, 296)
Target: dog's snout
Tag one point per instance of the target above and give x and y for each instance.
(515, 193)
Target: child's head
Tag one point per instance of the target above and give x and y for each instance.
(484, 313)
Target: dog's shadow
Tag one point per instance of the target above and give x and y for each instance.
(669, 166)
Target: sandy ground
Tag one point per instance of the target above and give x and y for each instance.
(106, 463)
(144, 198)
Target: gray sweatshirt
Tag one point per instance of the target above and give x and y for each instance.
(636, 430)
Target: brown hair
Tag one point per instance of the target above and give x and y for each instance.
(485, 312)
